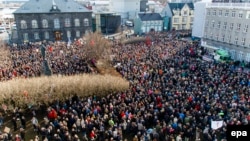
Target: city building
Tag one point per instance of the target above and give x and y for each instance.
(181, 15)
(227, 27)
(199, 19)
(128, 9)
(107, 23)
(146, 22)
(53, 20)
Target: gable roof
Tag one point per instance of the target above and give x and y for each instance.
(173, 6)
(44, 6)
(150, 16)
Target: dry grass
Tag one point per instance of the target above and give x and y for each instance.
(33, 91)
(104, 68)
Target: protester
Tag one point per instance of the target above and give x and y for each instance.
(173, 94)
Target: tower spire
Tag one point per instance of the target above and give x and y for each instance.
(53, 2)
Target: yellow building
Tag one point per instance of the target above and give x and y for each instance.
(181, 15)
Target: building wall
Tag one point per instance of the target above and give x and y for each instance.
(51, 30)
(126, 8)
(199, 19)
(229, 25)
(148, 25)
(182, 19)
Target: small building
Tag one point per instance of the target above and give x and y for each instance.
(146, 22)
(52, 20)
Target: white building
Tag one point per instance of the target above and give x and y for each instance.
(128, 9)
(199, 19)
(227, 27)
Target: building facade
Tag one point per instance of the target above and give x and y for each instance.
(181, 15)
(128, 9)
(227, 27)
(147, 22)
(51, 20)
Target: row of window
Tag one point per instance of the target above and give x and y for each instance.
(228, 26)
(183, 19)
(36, 35)
(225, 13)
(182, 27)
(227, 38)
(67, 23)
(152, 23)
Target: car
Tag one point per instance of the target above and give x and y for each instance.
(2, 29)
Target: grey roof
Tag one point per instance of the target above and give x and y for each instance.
(150, 16)
(173, 6)
(44, 6)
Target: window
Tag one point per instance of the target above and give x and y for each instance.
(238, 26)
(25, 36)
(184, 19)
(191, 19)
(46, 35)
(212, 24)
(183, 26)
(214, 13)
(208, 12)
(223, 37)
(86, 22)
(34, 24)
(240, 14)
(176, 20)
(233, 13)
(23, 24)
(68, 34)
(217, 37)
(218, 26)
(78, 34)
(36, 35)
(211, 35)
(225, 25)
(243, 41)
(45, 23)
(245, 28)
(226, 13)
(185, 12)
(56, 23)
(220, 12)
(67, 22)
(231, 26)
(236, 40)
(77, 22)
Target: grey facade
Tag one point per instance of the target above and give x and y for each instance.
(51, 20)
(228, 28)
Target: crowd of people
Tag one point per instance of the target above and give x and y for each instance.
(173, 94)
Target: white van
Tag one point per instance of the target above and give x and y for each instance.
(129, 23)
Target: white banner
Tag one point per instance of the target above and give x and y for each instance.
(216, 124)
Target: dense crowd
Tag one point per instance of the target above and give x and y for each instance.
(173, 95)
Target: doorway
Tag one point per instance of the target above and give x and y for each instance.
(58, 36)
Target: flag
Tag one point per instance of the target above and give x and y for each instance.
(216, 124)
(50, 49)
